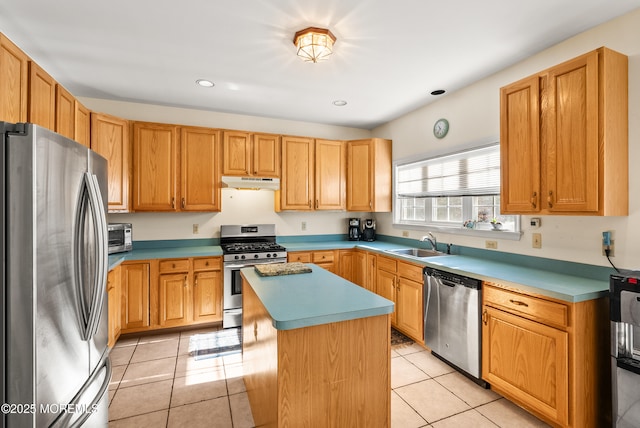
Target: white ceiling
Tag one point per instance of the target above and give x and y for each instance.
(388, 57)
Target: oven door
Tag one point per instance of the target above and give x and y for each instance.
(232, 290)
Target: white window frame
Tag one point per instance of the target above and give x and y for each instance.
(481, 230)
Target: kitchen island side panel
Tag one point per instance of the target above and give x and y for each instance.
(334, 374)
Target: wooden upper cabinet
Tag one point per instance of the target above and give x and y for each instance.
(236, 153)
(200, 171)
(155, 148)
(330, 175)
(246, 154)
(82, 124)
(14, 77)
(369, 175)
(297, 184)
(110, 139)
(266, 155)
(564, 138)
(42, 97)
(520, 126)
(65, 112)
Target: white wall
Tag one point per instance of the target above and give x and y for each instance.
(238, 206)
(473, 114)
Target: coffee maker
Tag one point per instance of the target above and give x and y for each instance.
(369, 231)
(354, 229)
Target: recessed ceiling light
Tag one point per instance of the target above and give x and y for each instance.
(205, 83)
(437, 92)
(340, 103)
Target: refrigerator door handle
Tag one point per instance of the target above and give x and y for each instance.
(89, 313)
(102, 254)
(63, 419)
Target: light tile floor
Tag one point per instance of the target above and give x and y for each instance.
(156, 383)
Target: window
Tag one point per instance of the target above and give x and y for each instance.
(457, 190)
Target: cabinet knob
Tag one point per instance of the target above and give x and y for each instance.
(518, 303)
(206, 263)
(534, 200)
(550, 199)
(186, 283)
(484, 317)
(173, 202)
(184, 204)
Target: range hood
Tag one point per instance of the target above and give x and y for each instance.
(254, 183)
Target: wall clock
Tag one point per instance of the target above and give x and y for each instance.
(440, 128)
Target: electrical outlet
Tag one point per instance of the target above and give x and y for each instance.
(536, 240)
(303, 225)
(607, 243)
(405, 233)
(491, 244)
(196, 228)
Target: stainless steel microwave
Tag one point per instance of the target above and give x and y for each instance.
(119, 237)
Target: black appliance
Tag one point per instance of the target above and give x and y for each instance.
(354, 229)
(244, 246)
(369, 230)
(625, 348)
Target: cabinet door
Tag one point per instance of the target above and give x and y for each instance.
(297, 187)
(135, 295)
(359, 268)
(386, 287)
(330, 170)
(82, 130)
(266, 155)
(346, 263)
(110, 139)
(573, 138)
(42, 97)
(14, 78)
(113, 302)
(528, 361)
(65, 113)
(174, 295)
(154, 167)
(236, 153)
(199, 157)
(409, 310)
(207, 296)
(369, 175)
(371, 273)
(520, 147)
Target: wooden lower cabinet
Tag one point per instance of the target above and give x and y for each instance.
(113, 304)
(402, 283)
(319, 376)
(550, 357)
(135, 296)
(326, 259)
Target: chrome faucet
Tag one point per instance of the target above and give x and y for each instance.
(432, 240)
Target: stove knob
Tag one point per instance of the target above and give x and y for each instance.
(236, 257)
(274, 255)
(255, 256)
(242, 257)
(268, 255)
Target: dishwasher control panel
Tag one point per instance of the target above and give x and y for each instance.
(453, 278)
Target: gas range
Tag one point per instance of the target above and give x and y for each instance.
(250, 242)
(244, 246)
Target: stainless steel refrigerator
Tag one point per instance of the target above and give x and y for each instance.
(55, 361)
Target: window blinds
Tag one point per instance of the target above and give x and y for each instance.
(470, 173)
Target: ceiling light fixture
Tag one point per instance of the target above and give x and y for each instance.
(205, 83)
(437, 92)
(314, 44)
(340, 103)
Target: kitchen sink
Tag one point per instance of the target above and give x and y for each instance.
(416, 252)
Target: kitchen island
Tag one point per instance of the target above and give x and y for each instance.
(316, 351)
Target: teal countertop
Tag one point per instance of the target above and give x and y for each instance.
(319, 297)
(571, 282)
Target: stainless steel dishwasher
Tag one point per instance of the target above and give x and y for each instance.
(452, 320)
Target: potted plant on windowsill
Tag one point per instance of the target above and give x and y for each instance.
(495, 223)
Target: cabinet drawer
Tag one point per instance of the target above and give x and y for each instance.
(212, 263)
(387, 264)
(181, 265)
(545, 311)
(299, 257)
(322, 256)
(411, 272)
